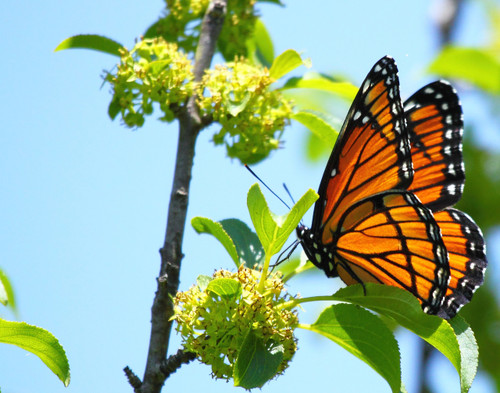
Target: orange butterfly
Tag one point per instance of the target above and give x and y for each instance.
(384, 211)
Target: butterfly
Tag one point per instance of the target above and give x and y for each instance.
(384, 211)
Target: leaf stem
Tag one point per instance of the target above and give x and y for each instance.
(295, 302)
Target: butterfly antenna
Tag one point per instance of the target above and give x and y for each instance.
(265, 185)
(288, 251)
(289, 193)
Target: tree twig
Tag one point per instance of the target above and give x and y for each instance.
(171, 252)
(174, 362)
(133, 379)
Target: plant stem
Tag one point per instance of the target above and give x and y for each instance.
(171, 252)
(295, 302)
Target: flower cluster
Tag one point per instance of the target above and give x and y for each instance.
(214, 325)
(154, 71)
(252, 115)
(182, 24)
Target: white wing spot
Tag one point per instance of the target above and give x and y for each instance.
(357, 115)
(334, 172)
(451, 170)
(451, 189)
(429, 90)
(366, 85)
(377, 68)
(445, 106)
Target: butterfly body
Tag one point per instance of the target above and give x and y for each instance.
(384, 211)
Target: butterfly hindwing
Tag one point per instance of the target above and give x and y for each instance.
(435, 126)
(372, 151)
(391, 238)
(467, 258)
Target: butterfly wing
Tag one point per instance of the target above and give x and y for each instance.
(435, 126)
(392, 238)
(372, 152)
(467, 258)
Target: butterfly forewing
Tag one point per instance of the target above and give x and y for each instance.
(391, 238)
(435, 126)
(372, 151)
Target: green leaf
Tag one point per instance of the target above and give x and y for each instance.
(248, 247)
(468, 352)
(277, 2)
(260, 45)
(405, 309)
(235, 108)
(39, 342)
(344, 90)
(7, 297)
(206, 225)
(286, 62)
(114, 108)
(476, 66)
(257, 362)
(202, 281)
(316, 149)
(228, 288)
(365, 336)
(272, 230)
(317, 123)
(91, 41)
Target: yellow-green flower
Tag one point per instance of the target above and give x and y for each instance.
(253, 116)
(155, 71)
(215, 317)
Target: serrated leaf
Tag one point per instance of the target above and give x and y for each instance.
(257, 362)
(318, 124)
(248, 247)
(206, 225)
(365, 336)
(343, 90)
(286, 62)
(202, 281)
(225, 287)
(468, 352)
(273, 231)
(476, 66)
(405, 309)
(7, 297)
(91, 41)
(39, 342)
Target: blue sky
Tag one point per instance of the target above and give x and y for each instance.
(83, 200)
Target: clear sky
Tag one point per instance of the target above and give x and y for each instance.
(83, 200)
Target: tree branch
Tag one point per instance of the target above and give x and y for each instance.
(171, 252)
